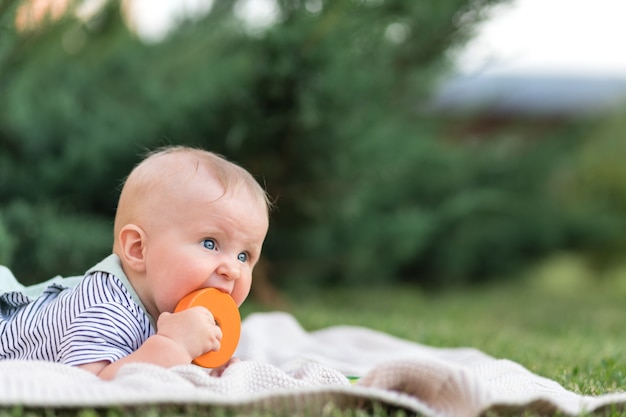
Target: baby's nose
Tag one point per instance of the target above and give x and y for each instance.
(229, 269)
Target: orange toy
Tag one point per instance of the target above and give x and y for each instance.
(227, 317)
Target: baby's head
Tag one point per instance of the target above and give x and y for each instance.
(189, 219)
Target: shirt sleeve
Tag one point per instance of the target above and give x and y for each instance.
(103, 332)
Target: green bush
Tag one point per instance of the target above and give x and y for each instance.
(594, 183)
(50, 242)
(322, 108)
(492, 211)
(7, 243)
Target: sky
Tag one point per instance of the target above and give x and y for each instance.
(562, 37)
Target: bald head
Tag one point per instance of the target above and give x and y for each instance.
(159, 187)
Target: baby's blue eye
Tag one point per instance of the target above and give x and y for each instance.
(242, 257)
(209, 244)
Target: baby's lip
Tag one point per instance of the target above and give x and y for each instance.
(224, 290)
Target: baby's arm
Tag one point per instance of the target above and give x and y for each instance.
(180, 338)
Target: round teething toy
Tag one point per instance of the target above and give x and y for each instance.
(226, 314)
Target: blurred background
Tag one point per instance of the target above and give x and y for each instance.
(441, 144)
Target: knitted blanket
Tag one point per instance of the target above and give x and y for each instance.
(288, 370)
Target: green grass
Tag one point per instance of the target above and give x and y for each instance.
(576, 338)
(562, 323)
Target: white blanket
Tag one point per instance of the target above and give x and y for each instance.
(289, 370)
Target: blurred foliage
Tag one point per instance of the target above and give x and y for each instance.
(54, 240)
(322, 107)
(594, 185)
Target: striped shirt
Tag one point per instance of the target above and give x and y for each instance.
(97, 320)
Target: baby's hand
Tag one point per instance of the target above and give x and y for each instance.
(194, 329)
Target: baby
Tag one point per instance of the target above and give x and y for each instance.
(186, 219)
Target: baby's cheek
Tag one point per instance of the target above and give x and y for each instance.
(241, 291)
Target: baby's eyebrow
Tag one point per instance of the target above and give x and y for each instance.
(254, 250)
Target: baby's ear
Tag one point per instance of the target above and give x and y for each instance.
(132, 241)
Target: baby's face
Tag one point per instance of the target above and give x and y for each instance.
(204, 243)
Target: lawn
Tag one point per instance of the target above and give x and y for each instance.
(560, 321)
